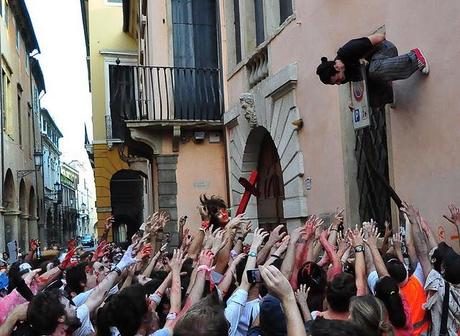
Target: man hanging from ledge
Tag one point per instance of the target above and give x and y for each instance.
(384, 64)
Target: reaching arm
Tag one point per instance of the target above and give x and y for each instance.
(280, 287)
(175, 264)
(148, 270)
(98, 294)
(356, 238)
(413, 260)
(275, 236)
(289, 259)
(420, 243)
(378, 261)
(301, 295)
(227, 280)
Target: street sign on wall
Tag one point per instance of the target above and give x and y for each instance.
(360, 102)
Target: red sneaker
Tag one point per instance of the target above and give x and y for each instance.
(422, 62)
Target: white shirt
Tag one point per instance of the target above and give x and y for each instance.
(249, 313)
(234, 309)
(86, 327)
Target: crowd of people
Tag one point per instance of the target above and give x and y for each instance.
(229, 278)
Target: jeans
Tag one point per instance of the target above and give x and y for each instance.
(385, 64)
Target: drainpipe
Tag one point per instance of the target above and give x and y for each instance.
(2, 145)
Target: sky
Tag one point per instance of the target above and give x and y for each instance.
(59, 30)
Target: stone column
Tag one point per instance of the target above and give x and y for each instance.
(167, 192)
(33, 228)
(2, 230)
(23, 241)
(11, 220)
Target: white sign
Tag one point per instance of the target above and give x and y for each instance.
(360, 102)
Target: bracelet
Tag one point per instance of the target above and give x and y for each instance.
(275, 256)
(240, 238)
(155, 298)
(252, 254)
(334, 230)
(171, 316)
(204, 268)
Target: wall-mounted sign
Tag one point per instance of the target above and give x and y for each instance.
(360, 102)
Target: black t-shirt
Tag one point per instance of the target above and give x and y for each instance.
(350, 54)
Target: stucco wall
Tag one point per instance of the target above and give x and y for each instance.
(200, 170)
(423, 132)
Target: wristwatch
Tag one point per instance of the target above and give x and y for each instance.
(359, 248)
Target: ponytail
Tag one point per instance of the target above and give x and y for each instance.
(387, 290)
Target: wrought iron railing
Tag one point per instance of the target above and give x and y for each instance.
(165, 93)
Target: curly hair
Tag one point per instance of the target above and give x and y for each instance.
(213, 204)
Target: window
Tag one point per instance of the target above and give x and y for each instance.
(122, 101)
(115, 1)
(26, 60)
(18, 38)
(259, 20)
(19, 118)
(236, 15)
(285, 10)
(7, 14)
(7, 122)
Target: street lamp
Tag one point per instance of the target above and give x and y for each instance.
(38, 162)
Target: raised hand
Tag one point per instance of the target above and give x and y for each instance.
(397, 241)
(246, 228)
(388, 230)
(372, 237)
(276, 235)
(258, 238)
(454, 215)
(177, 260)
(301, 294)
(342, 243)
(283, 246)
(356, 236)
(338, 218)
(206, 258)
(66, 262)
(203, 213)
(101, 250)
(109, 223)
(276, 282)
(235, 222)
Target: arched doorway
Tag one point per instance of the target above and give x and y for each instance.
(23, 216)
(270, 186)
(261, 154)
(9, 203)
(33, 229)
(127, 200)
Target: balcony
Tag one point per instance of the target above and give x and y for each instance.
(164, 96)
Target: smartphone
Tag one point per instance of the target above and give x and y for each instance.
(254, 276)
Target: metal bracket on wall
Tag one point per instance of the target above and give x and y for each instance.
(176, 139)
(24, 173)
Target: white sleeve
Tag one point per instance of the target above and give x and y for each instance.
(86, 327)
(235, 305)
(372, 280)
(419, 273)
